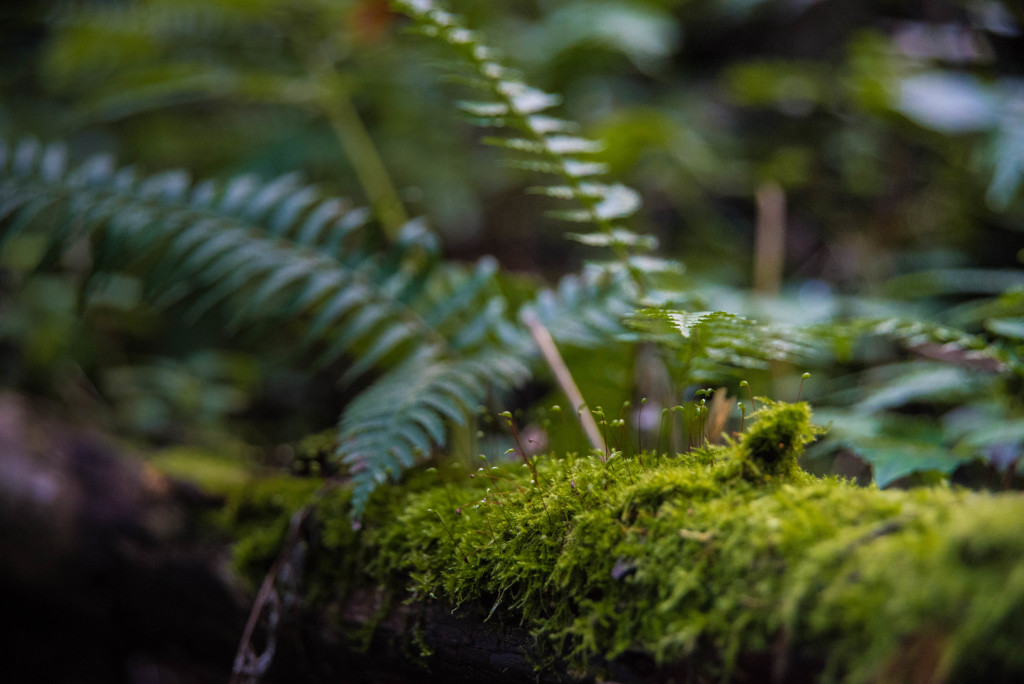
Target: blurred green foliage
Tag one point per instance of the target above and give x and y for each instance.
(894, 132)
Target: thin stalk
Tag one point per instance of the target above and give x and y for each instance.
(336, 104)
(450, 535)
(661, 428)
(554, 359)
(488, 519)
(640, 429)
(801, 390)
(519, 447)
(753, 406)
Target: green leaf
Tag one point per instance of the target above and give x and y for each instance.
(350, 333)
(1007, 327)
(619, 236)
(287, 215)
(921, 382)
(344, 301)
(383, 344)
(484, 109)
(892, 460)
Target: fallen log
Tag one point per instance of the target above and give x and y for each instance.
(723, 564)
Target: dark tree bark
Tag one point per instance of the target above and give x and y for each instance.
(105, 571)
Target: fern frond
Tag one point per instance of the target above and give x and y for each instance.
(542, 142)
(258, 252)
(911, 331)
(711, 344)
(403, 415)
(958, 346)
(585, 310)
(245, 245)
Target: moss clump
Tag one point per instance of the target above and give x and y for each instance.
(771, 447)
(259, 513)
(716, 554)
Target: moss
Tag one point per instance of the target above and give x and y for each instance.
(771, 447)
(710, 555)
(258, 513)
(213, 470)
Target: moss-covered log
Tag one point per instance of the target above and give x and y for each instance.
(725, 563)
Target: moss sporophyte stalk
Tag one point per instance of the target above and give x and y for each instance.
(707, 556)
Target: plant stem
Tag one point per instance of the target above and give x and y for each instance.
(770, 239)
(519, 447)
(450, 535)
(554, 360)
(336, 104)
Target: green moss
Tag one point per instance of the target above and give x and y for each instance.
(213, 470)
(259, 513)
(710, 555)
(771, 447)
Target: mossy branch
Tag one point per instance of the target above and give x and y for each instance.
(719, 562)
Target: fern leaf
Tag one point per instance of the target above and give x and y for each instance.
(918, 334)
(585, 310)
(475, 331)
(345, 300)
(462, 292)
(618, 236)
(712, 344)
(274, 285)
(361, 326)
(290, 209)
(213, 239)
(270, 195)
(385, 343)
(548, 143)
(420, 395)
(437, 334)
